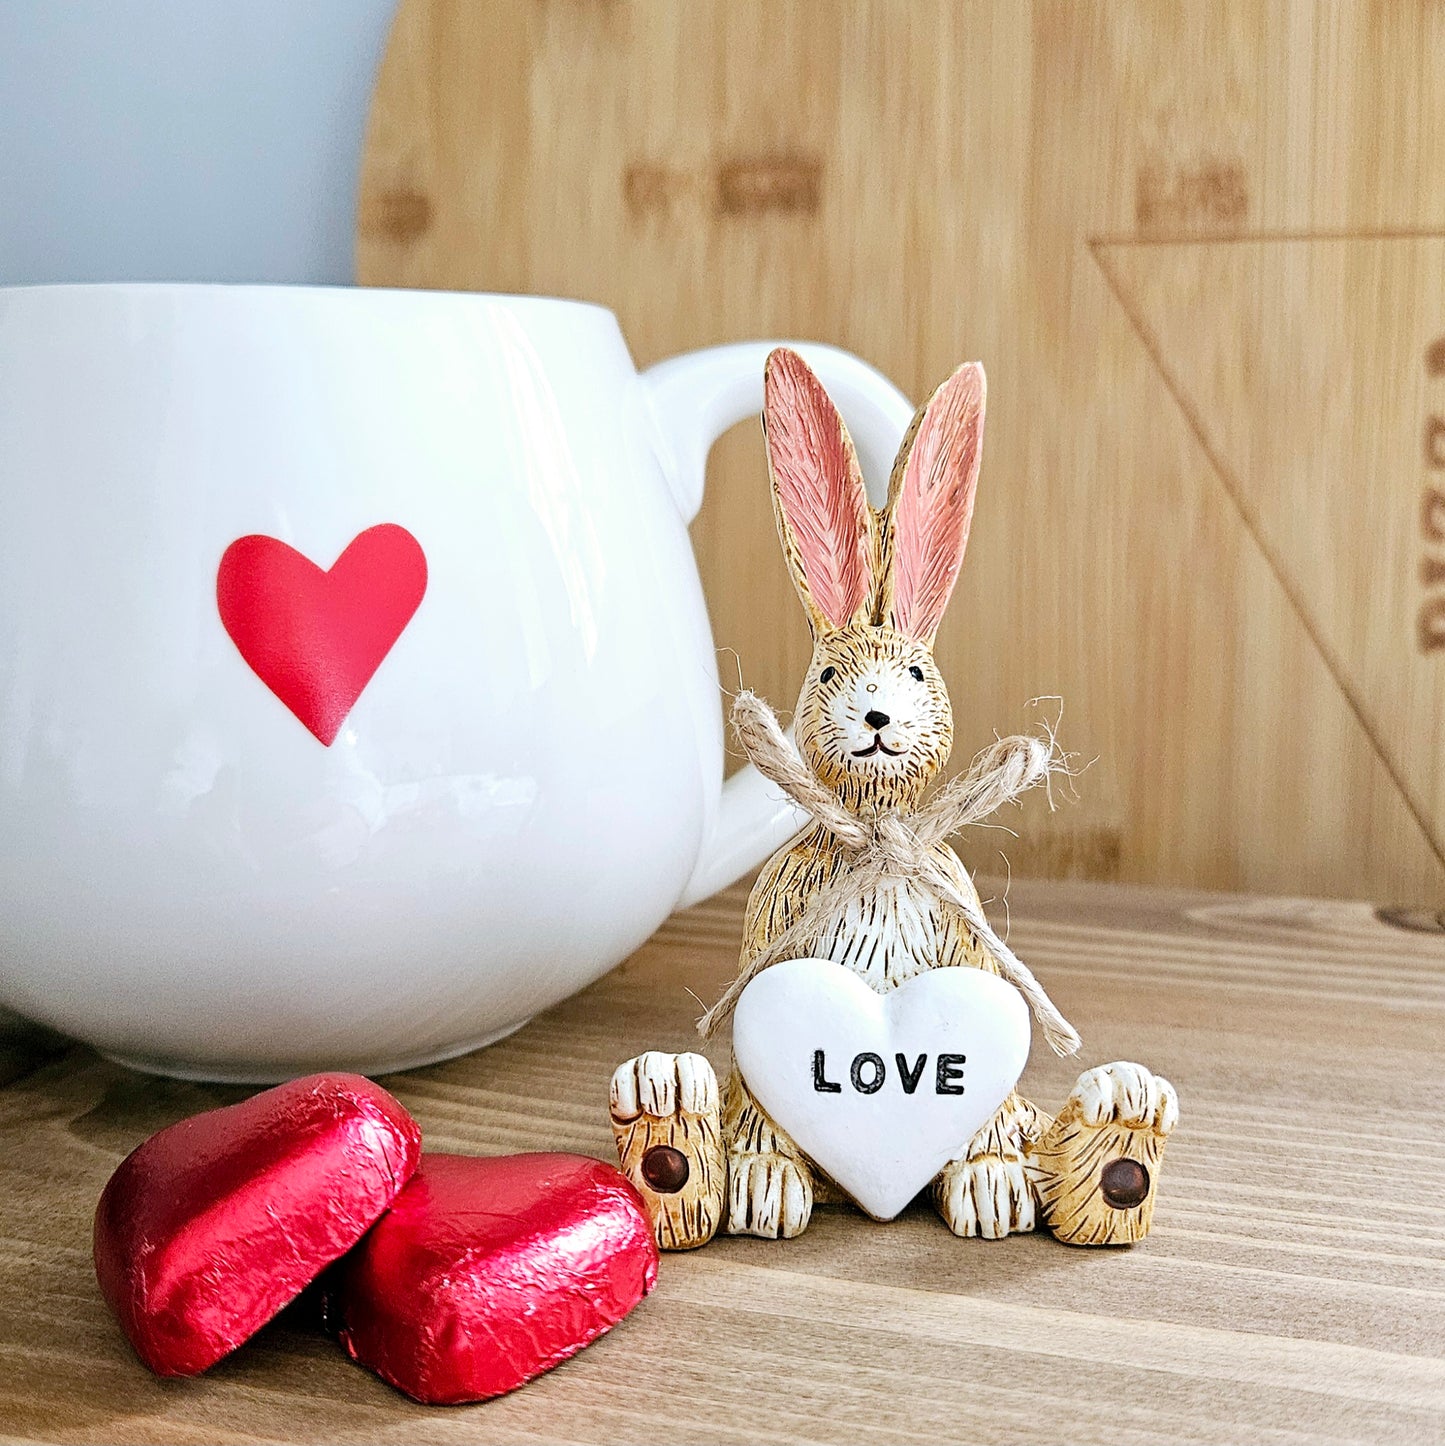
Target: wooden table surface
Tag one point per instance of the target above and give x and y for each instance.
(1293, 1288)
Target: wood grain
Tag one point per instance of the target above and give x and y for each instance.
(1293, 1288)
(1198, 249)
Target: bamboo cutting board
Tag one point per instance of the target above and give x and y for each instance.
(1201, 251)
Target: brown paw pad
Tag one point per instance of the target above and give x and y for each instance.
(1124, 1183)
(666, 1169)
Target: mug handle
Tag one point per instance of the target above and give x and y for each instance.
(696, 398)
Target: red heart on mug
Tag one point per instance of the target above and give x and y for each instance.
(487, 1272)
(315, 637)
(210, 1227)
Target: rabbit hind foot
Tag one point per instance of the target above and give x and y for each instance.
(770, 1195)
(1096, 1169)
(666, 1121)
(987, 1192)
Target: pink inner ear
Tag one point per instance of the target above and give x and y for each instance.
(935, 504)
(820, 490)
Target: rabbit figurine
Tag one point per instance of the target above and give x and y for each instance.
(874, 724)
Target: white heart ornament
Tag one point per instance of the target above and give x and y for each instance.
(880, 1091)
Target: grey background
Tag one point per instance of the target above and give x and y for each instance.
(183, 140)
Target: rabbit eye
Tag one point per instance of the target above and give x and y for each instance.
(828, 674)
(916, 673)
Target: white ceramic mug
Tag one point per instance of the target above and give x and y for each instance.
(192, 877)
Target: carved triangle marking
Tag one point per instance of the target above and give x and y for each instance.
(1235, 493)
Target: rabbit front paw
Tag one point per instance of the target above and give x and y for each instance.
(769, 1195)
(989, 1197)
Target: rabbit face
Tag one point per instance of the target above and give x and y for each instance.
(873, 719)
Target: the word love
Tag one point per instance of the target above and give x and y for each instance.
(868, 1072)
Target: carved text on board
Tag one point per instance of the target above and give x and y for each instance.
(1431, 622)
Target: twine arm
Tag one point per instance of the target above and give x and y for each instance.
(776, 757)
(999, 774)
(895, 846)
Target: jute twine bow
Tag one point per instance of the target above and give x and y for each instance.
(897, 846)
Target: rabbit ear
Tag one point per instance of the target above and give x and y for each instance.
(930, 506)
(822, 510)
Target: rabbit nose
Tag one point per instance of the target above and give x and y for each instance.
(875, 719)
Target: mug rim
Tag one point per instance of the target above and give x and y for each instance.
(521, 299)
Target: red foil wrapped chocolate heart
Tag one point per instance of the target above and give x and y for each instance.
(209, 1228)
(487, 1272)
